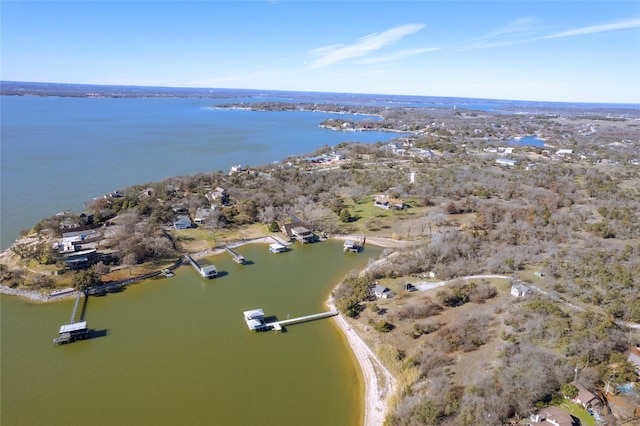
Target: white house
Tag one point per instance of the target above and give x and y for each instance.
(506, 162)
(237, 169)
(382, 292)
(520, 290)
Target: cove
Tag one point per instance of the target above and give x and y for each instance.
(177, 351)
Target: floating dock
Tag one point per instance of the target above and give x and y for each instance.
(236, 257)
(255, 320)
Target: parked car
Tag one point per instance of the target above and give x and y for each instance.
(410, 287)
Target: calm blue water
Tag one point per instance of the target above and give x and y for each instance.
(527, 141)
(58, 153)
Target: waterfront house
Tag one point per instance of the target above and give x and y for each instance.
(299, 231)
(237, 169)
(303, 234)
(80, 259)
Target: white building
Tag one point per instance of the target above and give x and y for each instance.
(506, 162)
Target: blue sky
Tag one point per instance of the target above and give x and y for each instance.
(575, 51)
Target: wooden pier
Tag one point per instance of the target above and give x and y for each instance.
(236, 257)
(76, 329)
(277, 325)
(209, 271)
(255, 320)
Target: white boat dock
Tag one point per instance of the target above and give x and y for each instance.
(277, 248)
(277, 325)
(255, 320)
(76, 329)
(209, 271)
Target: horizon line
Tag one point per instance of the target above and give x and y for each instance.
(18, 82)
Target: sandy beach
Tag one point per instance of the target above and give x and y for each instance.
(379, 383)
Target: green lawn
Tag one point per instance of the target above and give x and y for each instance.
(577, 411)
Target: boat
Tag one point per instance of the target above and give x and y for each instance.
(167, 273)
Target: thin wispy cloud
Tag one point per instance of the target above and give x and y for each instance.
(612, 26)
(522, 26)
(397, 55)
(330, 55)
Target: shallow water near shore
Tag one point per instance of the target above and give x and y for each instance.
(177, 351)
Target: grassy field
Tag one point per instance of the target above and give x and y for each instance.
(576, 410)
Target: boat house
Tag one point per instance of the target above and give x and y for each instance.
(209, 271)
(255, 319)
(72, 332)
(277, 248)
(299, 231)
(351, 246)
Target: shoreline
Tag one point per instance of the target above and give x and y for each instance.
(379, 383)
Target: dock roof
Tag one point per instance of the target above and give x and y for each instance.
(76, 326)
(253, 314)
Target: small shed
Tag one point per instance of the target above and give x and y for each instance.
(520, 290)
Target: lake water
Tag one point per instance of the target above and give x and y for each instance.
(172, 351)
(177, 350)
(527, 141)
(58, 153)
